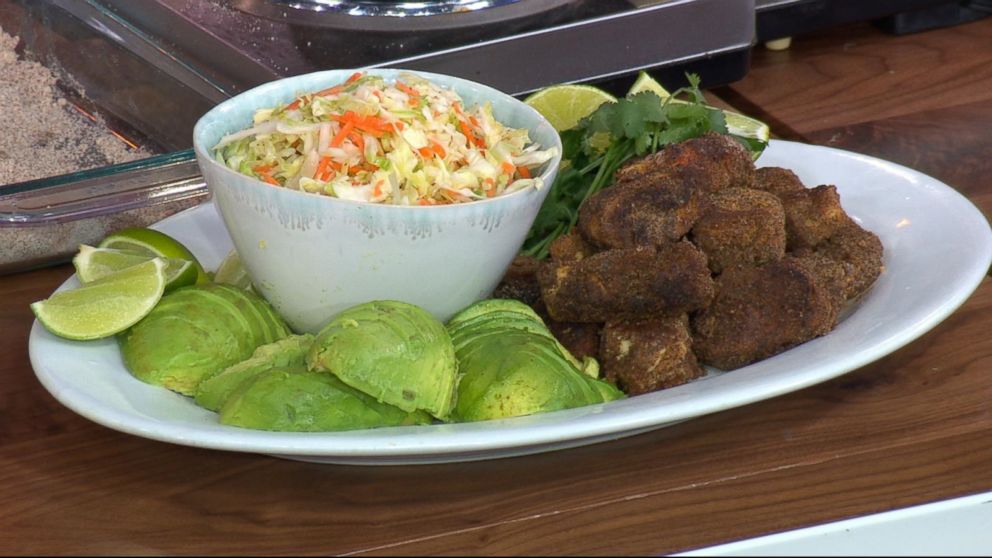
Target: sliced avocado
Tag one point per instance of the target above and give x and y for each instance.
(290, 351)
(205, 301)
(299, 400)
(396, 352)
(250, 309)
(490, 305)
(500, 314)
(176, 350)
(511, 367)
(192, 333)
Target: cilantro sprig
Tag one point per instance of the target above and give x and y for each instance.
(609, 137)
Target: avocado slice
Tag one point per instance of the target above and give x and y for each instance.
(501, 314)
(295, 399)
(192, 333)
(394, 351)
(290, 351)
(512, 365)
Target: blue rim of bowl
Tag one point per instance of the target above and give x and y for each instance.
(203, 153)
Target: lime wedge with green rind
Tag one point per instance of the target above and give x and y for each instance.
(106, 306)
(565, 105)
(93, 264)
(153, 243)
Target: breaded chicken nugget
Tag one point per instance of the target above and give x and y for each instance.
(631, 283)
(651, 212)
(710, 162)
(570, 247)
(812, 215)
(761, 311)
(520, 282)
(777, 180)
(859, 249)
(741, 227)
(648, 355)
(581, 339)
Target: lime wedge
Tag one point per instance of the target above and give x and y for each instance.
(232, 272)
(153, 243)
(565, 105)
(747, 127)
(93, 264)
(106, 306)
(645, 82)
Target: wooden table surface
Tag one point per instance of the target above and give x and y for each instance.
(911, 428)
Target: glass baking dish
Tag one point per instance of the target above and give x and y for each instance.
(44, 221)
(134, 92)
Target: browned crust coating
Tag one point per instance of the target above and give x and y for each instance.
(520, 282)
(570, 247)
(582, 340)
(710, 162)
(741, 227)
(777, 180)
(651, 211)
(860, 251)
(631, 283)
(761, 311)
(812, 216)
(648, 355)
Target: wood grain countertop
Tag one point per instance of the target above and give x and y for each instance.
(911, 428)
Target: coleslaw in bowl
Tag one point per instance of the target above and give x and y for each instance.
(405, 141)
(312, 251)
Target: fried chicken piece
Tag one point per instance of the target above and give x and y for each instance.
(812, 216)
(570, 247)
(859, 249)
(710, 162)
(761, 311)
(835, 276)
(582, 340)
(631, 283)
(520, 282)
(648, 355)
(651, 212)
(741, 227)
(777, 180)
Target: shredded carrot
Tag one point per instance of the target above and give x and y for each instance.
(355, 77)
(414, 99)
(329, 91)
(342, 133)
(438, 149)
(523, 171)
(491, 190)
(425, 152)
(377, 191)
(425, 202)
(407, 89)
(508, 167)
(322, 167)
(356, 138)
(265, 173)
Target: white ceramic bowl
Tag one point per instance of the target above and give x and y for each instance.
(312, 256)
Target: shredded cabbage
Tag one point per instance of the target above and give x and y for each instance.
(408, 142)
